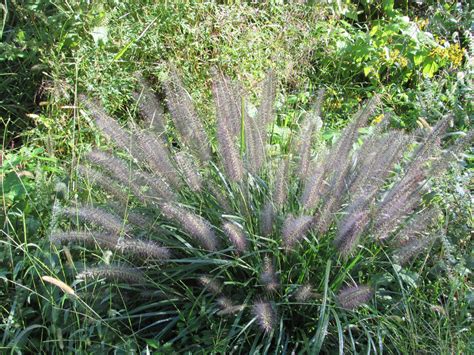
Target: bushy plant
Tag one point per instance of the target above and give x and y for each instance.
(230, 244)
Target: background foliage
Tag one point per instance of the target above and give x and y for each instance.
(417, 56)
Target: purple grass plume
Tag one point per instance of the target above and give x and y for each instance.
(228, 307)
(412, 248)
(280, 188)
(352, 226)
(355, 296)
(268, 276)
(142, 249)
(114, 273)
(295, 229)
(195, 225)
(97, 216)
(417, 225)
(236, 236)
(228, 97)
(103, 239)
(158, 157)
(267, 219)
(149, 106)
(105, 183)
(314, 186)
(110, 127)
(311, 125)
(267, 100)
(185, 117)
(255, 138)
(226, 132)
(189, 171)
(266, 315)
(211, 285)
(305, 293)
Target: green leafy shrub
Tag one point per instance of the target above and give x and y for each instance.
(400, 56)
(202, 239)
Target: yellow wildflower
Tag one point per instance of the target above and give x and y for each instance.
(378, 119)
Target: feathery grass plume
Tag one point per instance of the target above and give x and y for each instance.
(157, 156)
(109, 126)
(304, 293)
(236, 236)
(406, 185)
(333, 201)
(267, 219)
(113, 272)
(132, 178)
(399, 201)
(267, 100)
(313, 186)
(429, 144)
(211, 285)
(412, 248)
(404, 195)
(104, 182)
(143, 249)
(417, 225)
(280, 187)
(118, 169)
(256, 129)
(375, 162)
(337, 160)
(311, 124)
(196, 226)
(155, 187)
(149, 106)
(254, 144)
(268, 276)
(351, 227)
(294, 229)
(103, 239)
(98, 217)
(353, 297)
(304, 147)
(305, 142)
(266, 315)
(189, 171)
(229, 105)
(58, 283)
(135, 217)
(185, 118)
(228, 307)
(226, 137)
(337, 165)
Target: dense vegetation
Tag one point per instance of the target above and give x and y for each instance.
(416, 59)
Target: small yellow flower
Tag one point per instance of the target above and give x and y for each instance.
(378, 119)
(403, 61)
(455, 54)
(422, 23)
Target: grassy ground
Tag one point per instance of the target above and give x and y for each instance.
(52, 51)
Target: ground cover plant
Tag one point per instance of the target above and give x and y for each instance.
(234, 234)
(415, 58)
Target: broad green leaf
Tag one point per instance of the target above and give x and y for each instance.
(430, 68)
(419, 58)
